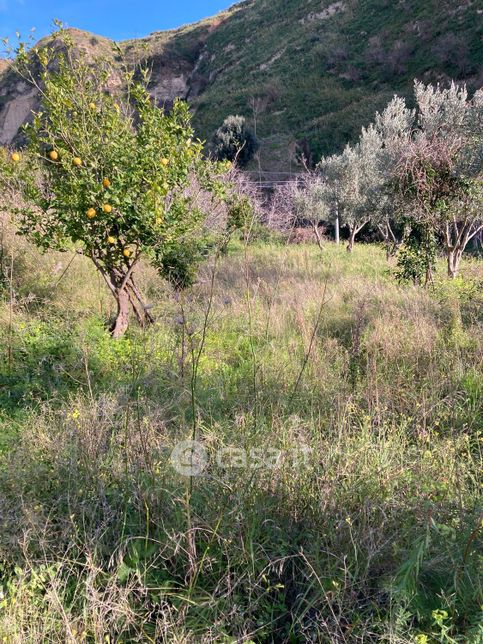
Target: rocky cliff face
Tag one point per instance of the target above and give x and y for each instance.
(307, 73)
(173, 58)
(21, 100)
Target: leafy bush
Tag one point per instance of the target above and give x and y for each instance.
(234, 141)
(416, 257)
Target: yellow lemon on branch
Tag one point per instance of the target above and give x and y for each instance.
(91, 213)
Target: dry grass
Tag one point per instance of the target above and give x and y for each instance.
(102, 540)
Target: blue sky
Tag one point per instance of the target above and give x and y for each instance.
(116, 19)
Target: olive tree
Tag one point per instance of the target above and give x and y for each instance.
(342, 179)
(354, 183)
(393, 126)
(301, 201)
(439, 172)
(109, 174)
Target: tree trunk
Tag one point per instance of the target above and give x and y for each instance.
(352, 238)
(337, 225)
(318, 236)
(458, 235)
(128, 298)
(140, 308)
(127, 295)
(121, 323)
(454, 260)
(353, 232)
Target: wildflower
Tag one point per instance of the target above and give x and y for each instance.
(439, 616)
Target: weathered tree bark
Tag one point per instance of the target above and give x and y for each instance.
(126, 290)
(139, 306)
(353, 231)
(318, 236)
(454, 260)
(458, 235)
(127, 295)
(352, 239)
(121, 323)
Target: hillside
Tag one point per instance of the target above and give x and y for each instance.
(309, 72)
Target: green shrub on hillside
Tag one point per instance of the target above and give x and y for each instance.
(234, 141)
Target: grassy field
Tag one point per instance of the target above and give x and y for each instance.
(349, 513)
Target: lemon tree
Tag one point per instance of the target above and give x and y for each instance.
(109, 171)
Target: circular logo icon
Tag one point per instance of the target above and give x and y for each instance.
(189, 458)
